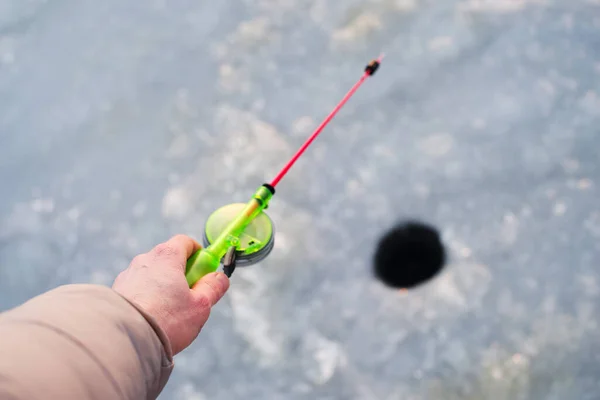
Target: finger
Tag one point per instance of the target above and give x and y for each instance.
(185, 243)
(180, 247)
(210, 289)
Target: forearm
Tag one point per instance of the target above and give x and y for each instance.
(83, 342)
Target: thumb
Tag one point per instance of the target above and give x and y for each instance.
(210, 289)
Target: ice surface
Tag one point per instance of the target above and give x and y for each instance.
(122, 123)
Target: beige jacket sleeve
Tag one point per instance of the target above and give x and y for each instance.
(81, 342)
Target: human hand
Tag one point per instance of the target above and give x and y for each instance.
(155, 282)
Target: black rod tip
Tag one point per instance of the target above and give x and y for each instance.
(372, 67)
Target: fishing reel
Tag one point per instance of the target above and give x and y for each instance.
(252, 246)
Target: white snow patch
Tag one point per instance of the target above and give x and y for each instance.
(590, 285)
(233, 79)
(465, 252)
(361, 26)
(591, 102)
(42, 205)
(546, 87)
(93, 225)
(422, 190)
(73, 214)
(7, 58)
(176, 203)
(448, 291)
(584, 184)
(115, 195)
(325, 357)
(179, 147)
(479, 123)
(354, 188)
(440, 43)
(570, 165)
(510, 228)
(101, 277)
(7, 46)
(303, 126)
(318, 11)
(559, 209)
(568, 22)
(139, 209)
(437, 145)
(281, 242)
(188, 391)
(495, 6)
(253, 31)
(405, 5)
(251, 318)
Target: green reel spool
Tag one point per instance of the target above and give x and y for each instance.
(253, 245)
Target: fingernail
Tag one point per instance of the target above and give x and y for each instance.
(223, 280)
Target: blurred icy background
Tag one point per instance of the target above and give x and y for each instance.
(124, 122)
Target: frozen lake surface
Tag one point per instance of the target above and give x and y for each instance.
(123, 123)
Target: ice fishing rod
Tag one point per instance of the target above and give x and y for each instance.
(243, 234)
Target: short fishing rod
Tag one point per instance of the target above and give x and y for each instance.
(243, 234)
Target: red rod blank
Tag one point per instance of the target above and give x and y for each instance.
(370, 70)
